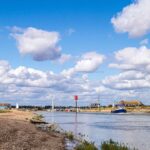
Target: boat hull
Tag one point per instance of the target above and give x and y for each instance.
(119, 111)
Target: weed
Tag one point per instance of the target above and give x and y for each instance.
(70, 136)
(86, 146)
(111, 145)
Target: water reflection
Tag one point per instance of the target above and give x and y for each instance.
(52, 117)
(131, 129)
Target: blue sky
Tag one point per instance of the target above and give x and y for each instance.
(91, 19)
(85, 32)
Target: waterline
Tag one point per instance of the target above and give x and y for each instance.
(127, 128)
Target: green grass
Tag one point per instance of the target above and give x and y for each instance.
(111, 145)
(38, 117)
(70, 136)
(86, 146)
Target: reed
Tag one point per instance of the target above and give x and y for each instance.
(111, 145)
(70, 136)
(85, 145)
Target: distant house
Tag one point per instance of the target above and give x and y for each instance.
(5, 106)
(95, 105)
(131, 103)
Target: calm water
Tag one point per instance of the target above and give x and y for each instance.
(127, 128)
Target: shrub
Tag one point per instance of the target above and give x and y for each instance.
(86, 146)
(37, 117)
(70, 136)
(111, 145)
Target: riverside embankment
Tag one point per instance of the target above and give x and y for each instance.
(17, 133)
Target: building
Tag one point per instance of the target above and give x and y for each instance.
(5, 106)
(131, 103)
(95, 105)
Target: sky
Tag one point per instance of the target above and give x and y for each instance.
(96, 49)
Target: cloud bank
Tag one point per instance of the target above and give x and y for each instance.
(29, 85)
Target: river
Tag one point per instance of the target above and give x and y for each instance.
(131, 129)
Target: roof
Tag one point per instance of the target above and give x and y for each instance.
(4, 104)
(131, 102)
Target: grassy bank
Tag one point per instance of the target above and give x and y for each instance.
(106, 145)
(85, 145)
(112, 145)
(4, 111)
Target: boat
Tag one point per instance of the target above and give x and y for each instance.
(119, 110)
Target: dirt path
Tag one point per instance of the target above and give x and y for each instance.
(17, 133)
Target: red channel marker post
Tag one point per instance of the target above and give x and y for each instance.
(76, 99)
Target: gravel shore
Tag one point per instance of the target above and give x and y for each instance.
(17, 133)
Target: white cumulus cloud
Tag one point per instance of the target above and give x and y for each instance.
(132, 58)
(128, 80)
(134, 19)
(134, 64)
(89, 62)
(40, 44)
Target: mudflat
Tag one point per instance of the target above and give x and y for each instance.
(17, 133)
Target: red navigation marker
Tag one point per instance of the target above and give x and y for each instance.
(76, 101)
(76, 97)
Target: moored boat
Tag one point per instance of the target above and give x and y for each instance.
(119, 110)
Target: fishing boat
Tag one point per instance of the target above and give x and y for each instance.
(119, 110)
